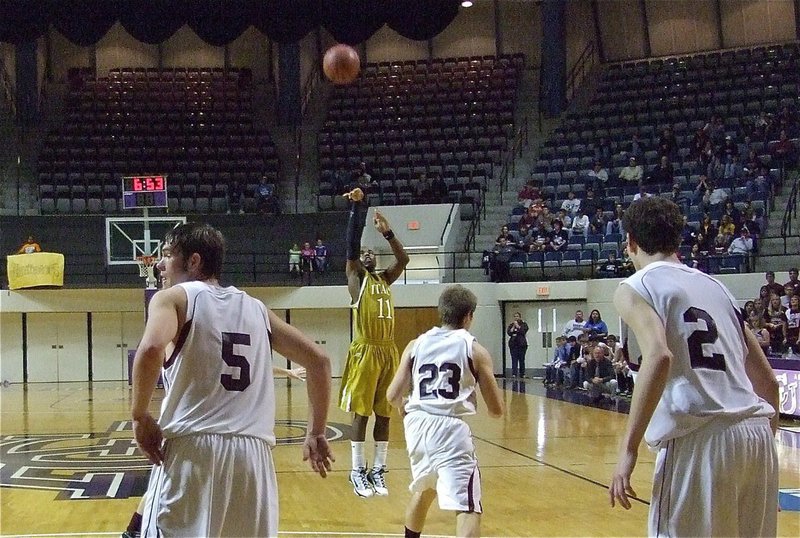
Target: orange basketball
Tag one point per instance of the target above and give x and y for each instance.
(341, 64)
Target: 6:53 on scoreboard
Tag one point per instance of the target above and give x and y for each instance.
(144, 191)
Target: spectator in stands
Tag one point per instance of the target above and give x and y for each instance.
(759, 306)
(743, 244)
(320, 257)
(504, 234)
(614, 224)
(726, 228)
(771, 285)
(595, 326)
(663, 174)
(598, 222)
(631, 174)
(733, 169)
(714, 197)
(610, 267)
(667, 144)
(635, 147)
(574, 327)
(688, 234)
(760, 185)
(266, 199)
(733, 212)
(706, 156)
(642, 193)
(600, 376)
(698, 144)
(539, 240)
(501, 270)
(558, 237)
(423, 189)
(580, 223)
(545, 220)
(603, 151)
(783, 149)
(793, 325)
(29, 246)
(553, 374)
(775, 322)
(571, 204)
(294, 260)
(235, 197)
(531, 216)
(720, 244)
(788, 293)
(340, 181)
(755, 321)
(598, 178)
(793, 281)
(697, 258)
(362, 178)
(517, 345)
(439, 188)
(680, 199)
(306, 262)
(729, 150)
(524, 237)
(716, 130)
(529, 194)
(566, 220)
(752, 163)
(626, 264)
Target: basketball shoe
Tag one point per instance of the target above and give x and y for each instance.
(378, 480)
(361, 484)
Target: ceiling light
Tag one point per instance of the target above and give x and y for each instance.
(466, 3)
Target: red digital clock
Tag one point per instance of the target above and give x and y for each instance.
(144, 191)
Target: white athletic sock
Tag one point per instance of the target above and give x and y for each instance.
(381, 448)
(357, 448)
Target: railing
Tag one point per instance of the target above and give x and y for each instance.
(579, 71)
(308, 88)
(790, 215)
(509, 168)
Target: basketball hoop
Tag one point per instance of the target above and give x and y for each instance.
(146, 270)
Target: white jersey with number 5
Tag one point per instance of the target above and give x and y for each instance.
(219, 377)
(442, 373)
(704, 329)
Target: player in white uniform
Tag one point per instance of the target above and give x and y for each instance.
(705, 397)
(212, 444)
(435, 388)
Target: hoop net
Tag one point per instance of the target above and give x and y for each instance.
(147, 270)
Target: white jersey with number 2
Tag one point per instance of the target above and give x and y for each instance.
(704, 329)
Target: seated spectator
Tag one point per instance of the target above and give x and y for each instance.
(439, 188)
(595, 326)
(743, 244)
(729, 150)
(632, 173)
(504, 234)
(667, 144)
(294, 260)
(698, 259)
(531, 217)
(760, 184)
(599, 177)
(793, 281)
(580, 223)
(788, 293)
(626, 264)
(714, 197)
(642, 193)
(688, 234)
(706, 156)
(775, 322)
(603, 151)
(733, 169)
(783, 150)
(755, 321)
(340, 181)
(553, 374)
(752, 163)
(423, 189)
(591, 202)
(610, 267)
(715, 129)
(720, 244)
(266, 199)
(597, 224)
(545, 220)
(571, 204)
(793, 325)
(614, 224)
(733, 212)
(726, 228)
(600, 376)
(663, 174)
(558, 238)
(566, 220)
(574, 327)
(635, 147)
(29, 246)
(306, 262)
(702, 188)
(753, 226)
(539, 240)
(320, 257)
(771, 286)
(680, 199)
(501, 270)
(235, 198)
(529, 193)
(524, 237)
(708, 230)
(699, 141)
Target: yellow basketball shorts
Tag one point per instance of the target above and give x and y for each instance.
(367, 374)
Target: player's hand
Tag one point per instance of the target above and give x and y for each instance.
(297, 373)
(317, 452)
(149, 438)
(620, 486)
(381, 224)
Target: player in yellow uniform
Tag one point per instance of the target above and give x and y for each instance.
(373, 356)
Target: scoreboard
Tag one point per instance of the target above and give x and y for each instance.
(144, 191)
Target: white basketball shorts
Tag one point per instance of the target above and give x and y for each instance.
(212, 485)
(720, 480)
(443, 458)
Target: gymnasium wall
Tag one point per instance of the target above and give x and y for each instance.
(579, 29)
(7, 57)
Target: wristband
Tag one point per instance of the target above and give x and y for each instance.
(388, 235)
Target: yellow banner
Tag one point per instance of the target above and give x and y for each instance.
(37, 269)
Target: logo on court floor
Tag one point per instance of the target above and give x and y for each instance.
(99, 465)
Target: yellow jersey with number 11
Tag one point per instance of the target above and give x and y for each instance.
(373, 312)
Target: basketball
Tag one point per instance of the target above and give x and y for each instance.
(341, 64)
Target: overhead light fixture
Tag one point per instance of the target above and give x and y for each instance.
(466, 3)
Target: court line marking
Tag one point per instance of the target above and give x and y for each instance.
(556, 467)
(280, 533)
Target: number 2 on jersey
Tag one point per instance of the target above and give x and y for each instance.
(699, 337)
(431, 372)
(236, 361)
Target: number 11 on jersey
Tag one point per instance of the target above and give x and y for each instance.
(384, 312)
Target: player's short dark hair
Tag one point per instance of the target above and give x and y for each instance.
(203, 239)
(454, 305)
(655, 223)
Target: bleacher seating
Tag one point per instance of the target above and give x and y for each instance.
(681, 93)
(451, 117)
(195, 125)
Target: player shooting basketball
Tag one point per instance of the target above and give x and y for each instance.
(373, 356)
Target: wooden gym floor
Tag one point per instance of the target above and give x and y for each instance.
(68, 467)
